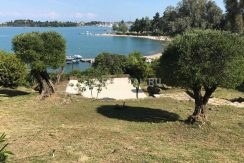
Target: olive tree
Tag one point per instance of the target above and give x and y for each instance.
(138, 69)
(235, 15)
(202, 61)
(93, 78)
(12, 70)
(41, 51)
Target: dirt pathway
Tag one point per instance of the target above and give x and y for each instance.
(182, 96)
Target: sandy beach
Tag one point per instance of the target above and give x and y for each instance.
(157, 38)
(154, 56)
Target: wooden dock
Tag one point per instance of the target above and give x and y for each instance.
(76, 59)
(89, 60)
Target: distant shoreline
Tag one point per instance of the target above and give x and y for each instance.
(156, 38)
(153, 56)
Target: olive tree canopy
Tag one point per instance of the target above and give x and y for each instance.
(203, 60)
(41, 51)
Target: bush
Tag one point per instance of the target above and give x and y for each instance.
(152, 90)
(12, 70)
(112, 63)
(76, 73)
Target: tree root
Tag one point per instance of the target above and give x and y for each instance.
(200, 119)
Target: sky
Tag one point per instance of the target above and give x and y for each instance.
(83, 10)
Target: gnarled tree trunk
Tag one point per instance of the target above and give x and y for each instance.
(201, 101)
(46, 87)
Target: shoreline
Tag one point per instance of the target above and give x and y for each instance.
(156, 38)
(153, 56)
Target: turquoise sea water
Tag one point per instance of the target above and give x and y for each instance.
(83, 41)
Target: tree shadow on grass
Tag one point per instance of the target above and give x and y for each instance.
(240, 100)
(12, 93)
(137, 114)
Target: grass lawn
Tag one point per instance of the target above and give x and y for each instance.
(74, 129)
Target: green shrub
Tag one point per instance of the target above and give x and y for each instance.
(76, 73)
(152, 90)
(12, 70)
(114, 64)
(3, 152)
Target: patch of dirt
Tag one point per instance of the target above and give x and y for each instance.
(182, 96)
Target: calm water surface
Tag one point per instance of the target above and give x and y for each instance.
(83, 41)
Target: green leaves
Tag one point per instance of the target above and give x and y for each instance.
(190, 14)
(93, 78)
(206, 58)
(111, 63)
(3, 152)
(234, 15)
(137, 67)
(142, 25)
(120, 27)
(40, 50)
(12, 70)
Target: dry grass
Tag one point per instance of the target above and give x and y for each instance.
(73, 129)
(228, 94)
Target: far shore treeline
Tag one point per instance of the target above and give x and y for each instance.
(32, 23)
(193, 14)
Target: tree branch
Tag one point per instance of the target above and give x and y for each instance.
(208, 93)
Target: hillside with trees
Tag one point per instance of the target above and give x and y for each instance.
(193, 14)
(234, 15)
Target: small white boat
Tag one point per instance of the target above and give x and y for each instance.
(68, 62)
(78, 57)
(69, 58)
(75, 61)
